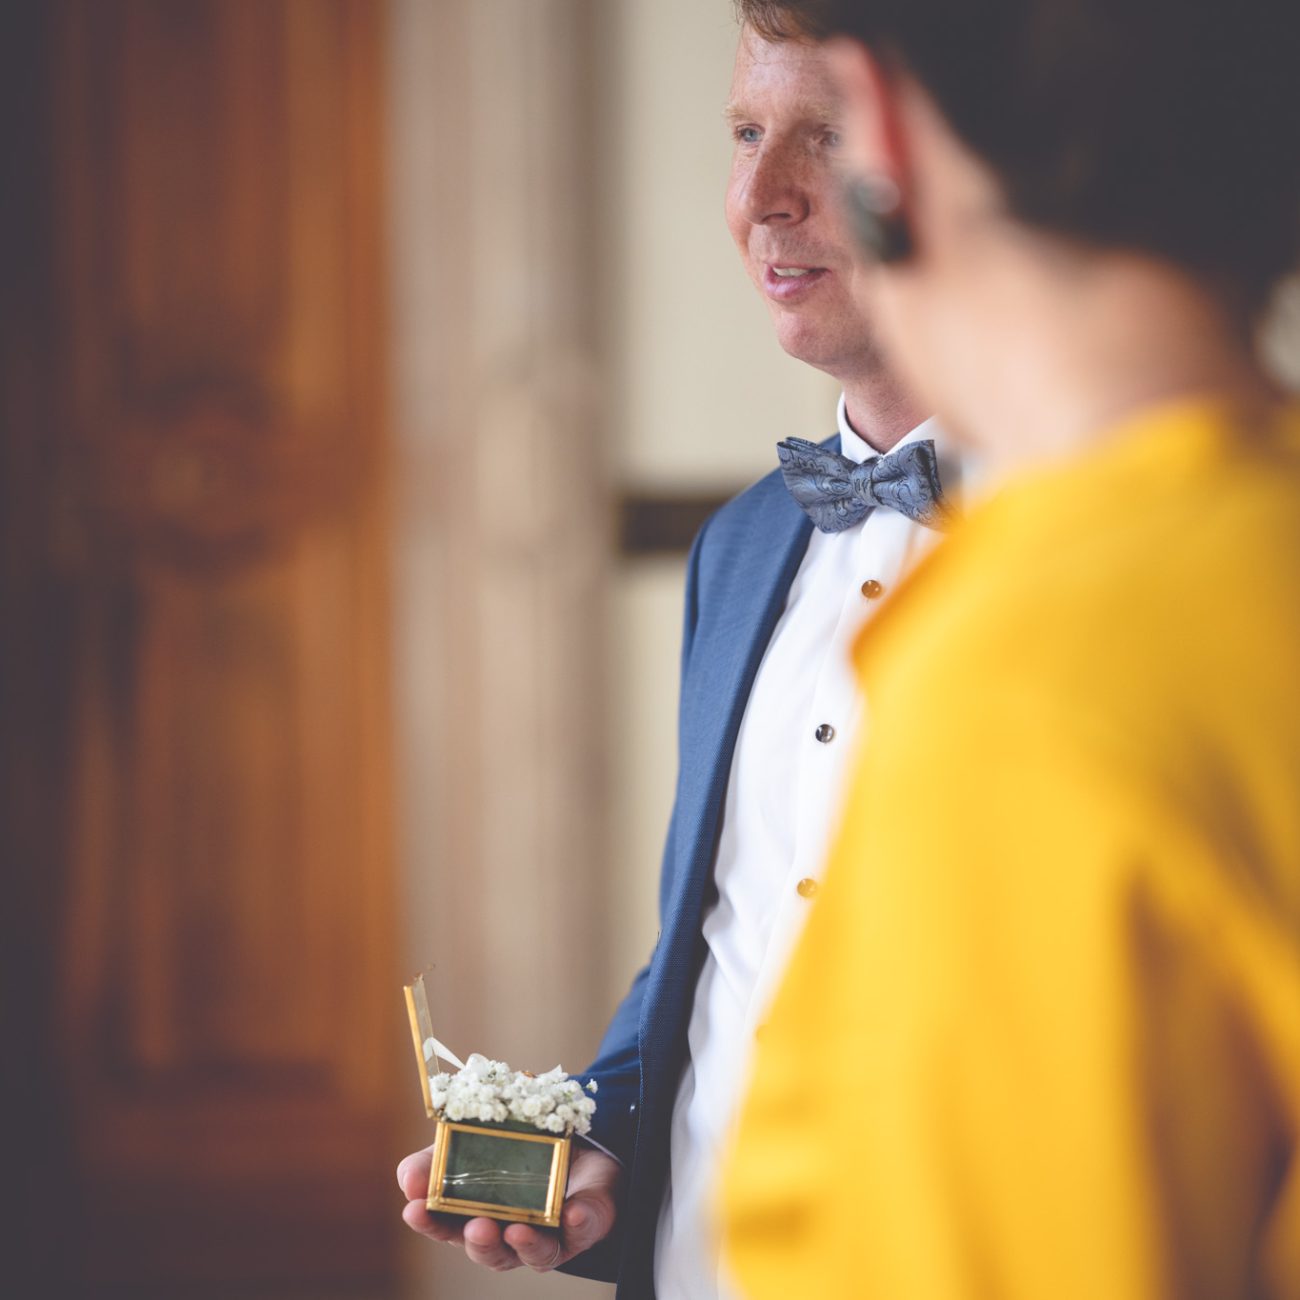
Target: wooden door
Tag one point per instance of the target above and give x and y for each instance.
(197, 740)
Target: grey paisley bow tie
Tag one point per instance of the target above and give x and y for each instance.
(837, 493)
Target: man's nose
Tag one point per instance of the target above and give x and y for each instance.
(775, 192)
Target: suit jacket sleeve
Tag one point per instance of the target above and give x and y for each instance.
(617, 1066)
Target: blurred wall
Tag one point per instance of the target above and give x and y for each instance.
(501, 544)
(1281, 335)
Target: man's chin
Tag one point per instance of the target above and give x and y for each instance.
(815, 349)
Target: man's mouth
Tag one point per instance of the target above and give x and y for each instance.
(788, 282)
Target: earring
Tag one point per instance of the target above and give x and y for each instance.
(873, 206)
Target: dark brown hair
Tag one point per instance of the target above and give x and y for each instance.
(1166, 126)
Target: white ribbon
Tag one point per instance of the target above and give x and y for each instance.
(433, 1048)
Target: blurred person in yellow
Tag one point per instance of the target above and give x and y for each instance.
(1041, 1036)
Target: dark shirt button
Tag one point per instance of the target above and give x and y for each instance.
(825, 733)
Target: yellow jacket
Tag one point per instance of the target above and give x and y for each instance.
(1041, 1039)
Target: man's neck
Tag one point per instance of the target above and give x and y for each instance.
(880, 412)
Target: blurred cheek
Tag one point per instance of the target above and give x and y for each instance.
(856, 152)
(903, 333)
(860, 142)
(862, 287)
(855, 159)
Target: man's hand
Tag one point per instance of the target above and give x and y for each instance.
(587, 1217)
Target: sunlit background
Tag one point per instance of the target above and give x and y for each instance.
(367, 367)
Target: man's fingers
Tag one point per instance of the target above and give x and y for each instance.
(591, 1207)
(413, 1174)
(587, 1218)
(540, 1250)
(485, 1245)
(439, 1227)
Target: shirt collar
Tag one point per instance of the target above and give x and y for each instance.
(958, 469)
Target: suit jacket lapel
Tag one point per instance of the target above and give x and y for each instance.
(749, 571)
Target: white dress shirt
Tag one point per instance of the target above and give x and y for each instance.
(799, 729)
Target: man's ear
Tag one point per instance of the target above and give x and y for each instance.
(875, 136)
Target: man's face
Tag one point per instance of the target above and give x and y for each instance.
(783, 204)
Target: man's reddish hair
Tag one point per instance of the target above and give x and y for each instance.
(783, 20)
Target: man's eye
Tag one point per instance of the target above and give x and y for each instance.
(748, 134)
(833, 138)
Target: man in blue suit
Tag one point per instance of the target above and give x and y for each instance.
(768, 710)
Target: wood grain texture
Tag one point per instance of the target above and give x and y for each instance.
(217, 516)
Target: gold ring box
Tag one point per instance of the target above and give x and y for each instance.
(495, 1171)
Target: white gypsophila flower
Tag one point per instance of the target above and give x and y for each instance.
(490, 1092)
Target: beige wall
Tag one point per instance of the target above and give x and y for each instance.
(1282, 335)
(500, 549)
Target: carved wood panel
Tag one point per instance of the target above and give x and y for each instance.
(216, 514)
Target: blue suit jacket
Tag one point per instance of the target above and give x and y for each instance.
(739, 573)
